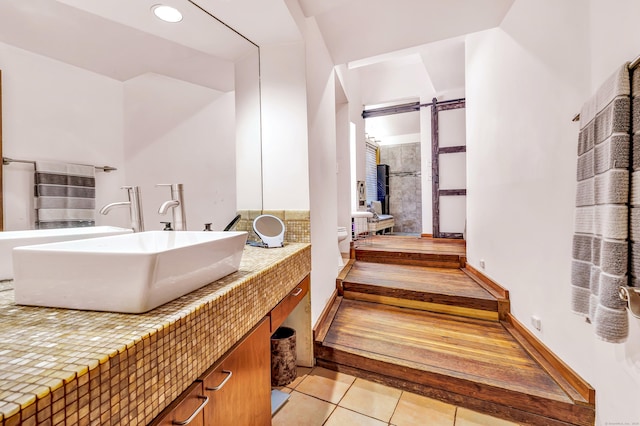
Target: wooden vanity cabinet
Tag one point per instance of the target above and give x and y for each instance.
(288, 304)
(187, 409)
(236, 390)
(239, 386)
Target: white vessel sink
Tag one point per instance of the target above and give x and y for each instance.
(11, 239)
(130, 273)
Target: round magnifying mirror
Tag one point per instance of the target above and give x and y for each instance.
(270, 229)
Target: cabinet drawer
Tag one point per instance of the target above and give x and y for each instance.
(240, 385)
(288, 304)
(187, 409)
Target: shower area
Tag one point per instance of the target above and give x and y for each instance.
(405, 187)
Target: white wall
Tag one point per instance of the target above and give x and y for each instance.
(248, 143)
(178, 132)
(54, 111)
(321, 110)
(350, 83)
(284, 127)
(343, 169)
(613, 36)
(398, 83)
(525, 81)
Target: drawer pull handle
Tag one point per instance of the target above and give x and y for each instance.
(205, 400)
(224, 382)
(297, 292)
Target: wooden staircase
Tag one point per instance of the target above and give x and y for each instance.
(444, 332)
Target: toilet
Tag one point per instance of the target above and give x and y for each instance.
(342, 235)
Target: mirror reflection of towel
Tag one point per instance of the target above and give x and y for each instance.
(64, 195)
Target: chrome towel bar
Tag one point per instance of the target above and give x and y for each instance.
(6, 161)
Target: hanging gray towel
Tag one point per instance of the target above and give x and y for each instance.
(635, 180)
(600, 242)
(65, 195)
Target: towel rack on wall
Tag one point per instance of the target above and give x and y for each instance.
(631, 295)
(6, 161)
(632, 65)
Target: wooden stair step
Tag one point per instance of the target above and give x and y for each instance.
(397, 257)
(444, 290)
(465, 361)
(412, 251)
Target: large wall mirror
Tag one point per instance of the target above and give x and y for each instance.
(108, 83)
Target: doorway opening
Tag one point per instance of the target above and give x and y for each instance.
(421, 159)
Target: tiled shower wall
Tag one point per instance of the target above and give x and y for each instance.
(405, 188)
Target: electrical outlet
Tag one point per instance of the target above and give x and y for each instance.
(536, 322)
(482, 263)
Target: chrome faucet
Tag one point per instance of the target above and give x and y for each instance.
(135, 207)
(176, 204)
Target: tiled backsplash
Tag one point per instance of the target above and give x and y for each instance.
(82, 367)
(296, 222)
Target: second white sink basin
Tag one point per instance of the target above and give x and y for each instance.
(11, 239)
(131, 273)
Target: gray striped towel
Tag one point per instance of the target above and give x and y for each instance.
(600, 242)
(65, 195)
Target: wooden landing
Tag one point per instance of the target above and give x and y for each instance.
(468, 362)
(419, 251)
(444, 290)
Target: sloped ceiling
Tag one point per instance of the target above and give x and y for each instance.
(120, 50)
(96, 34)
(357, 29)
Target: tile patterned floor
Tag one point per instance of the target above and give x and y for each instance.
(325, 397)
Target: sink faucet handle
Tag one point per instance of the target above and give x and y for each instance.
(176, 188)
(131, 189)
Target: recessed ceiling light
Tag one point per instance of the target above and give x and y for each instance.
(166, 13)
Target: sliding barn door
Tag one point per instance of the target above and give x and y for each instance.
(449, 165)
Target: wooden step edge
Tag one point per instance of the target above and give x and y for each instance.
(345, 269)
(453, 262)
(432, 296)
(429, 299)
(492, 287)
(487, 283)
(343, 275)
(575, 386)
(325, 320)
(466, 401)
(419, 305)
(444, 240)
(399, 252)
(563, 411)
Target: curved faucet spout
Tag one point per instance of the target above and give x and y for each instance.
(176, 203)
(164, 208)
(135, 207)
(105, 209)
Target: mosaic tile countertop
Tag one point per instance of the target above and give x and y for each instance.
(63, 366)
